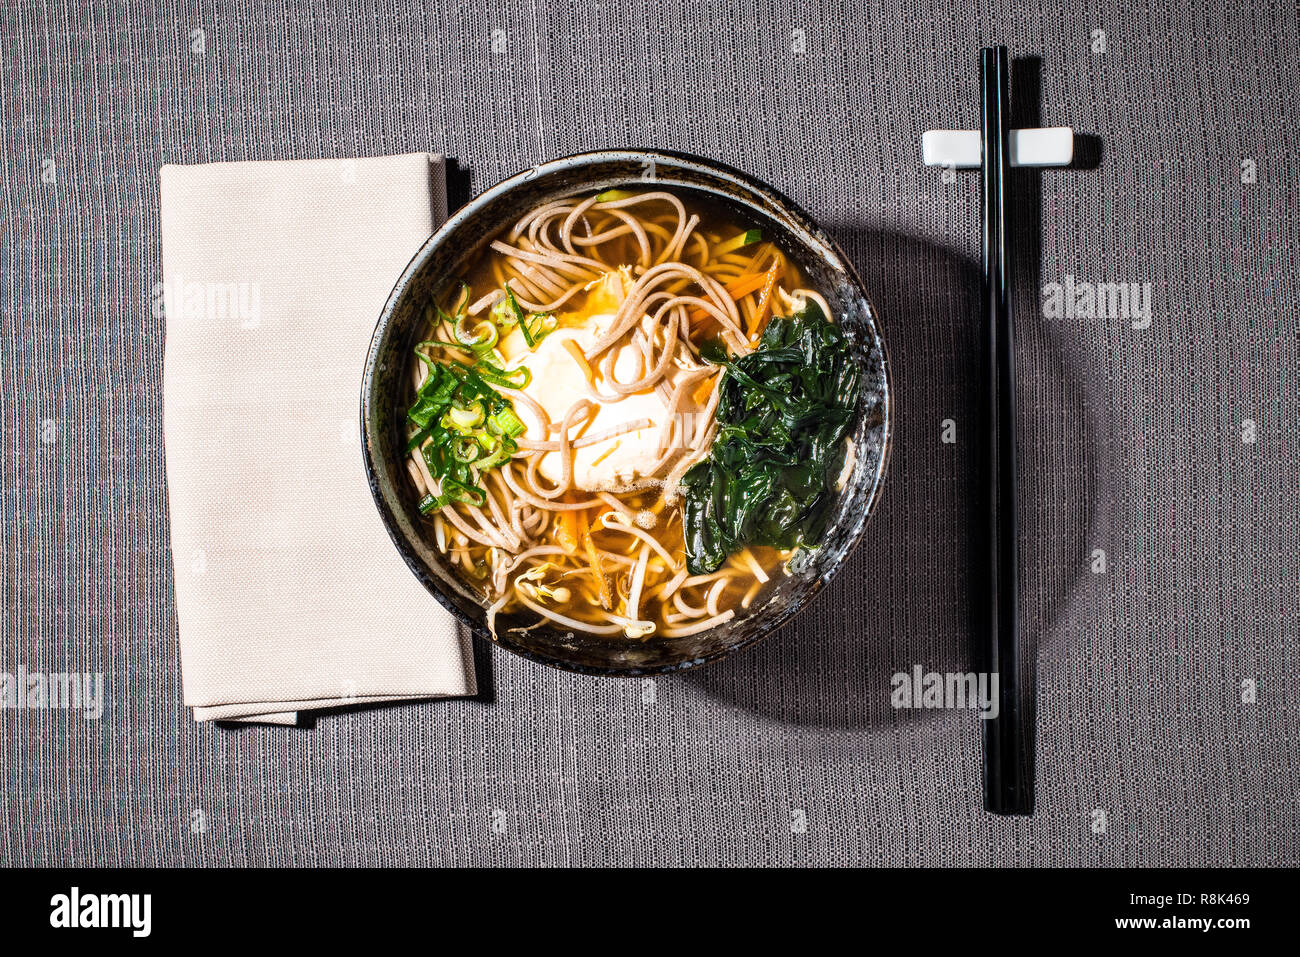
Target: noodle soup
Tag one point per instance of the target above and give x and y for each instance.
(629, 417)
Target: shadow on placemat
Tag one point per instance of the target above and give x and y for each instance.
(460, 183)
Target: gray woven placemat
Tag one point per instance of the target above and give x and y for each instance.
(1171, 447)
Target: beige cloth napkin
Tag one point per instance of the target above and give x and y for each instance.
(289, 594)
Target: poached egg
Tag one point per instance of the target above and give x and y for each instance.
(559, 379)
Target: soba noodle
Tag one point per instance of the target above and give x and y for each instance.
(564, 533)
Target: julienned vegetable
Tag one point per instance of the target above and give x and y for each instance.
(782, 417)
(465, 428)
(739, 241)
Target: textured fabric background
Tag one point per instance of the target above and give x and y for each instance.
(1172, 448)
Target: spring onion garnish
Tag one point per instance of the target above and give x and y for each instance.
(522, 319)
(464, 421)
(507, 422)
(485, 372)
(519, 317)
(465, 427)
(474, 339)
(483, 338)
(533, 326)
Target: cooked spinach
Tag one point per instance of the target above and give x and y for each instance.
(784, 410)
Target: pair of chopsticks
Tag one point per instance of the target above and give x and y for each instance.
(1006, 788)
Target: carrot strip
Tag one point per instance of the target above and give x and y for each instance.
(764, 311)
(703, 390)
(573, 532)
(606, 454)
(576, 351)
(737, 289)
(742, 286)
(566, 531)
(761, 253)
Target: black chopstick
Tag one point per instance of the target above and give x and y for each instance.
(1006, 790)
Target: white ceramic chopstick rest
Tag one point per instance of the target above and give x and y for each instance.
(1050, 146)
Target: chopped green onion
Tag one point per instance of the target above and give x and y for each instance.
(460, 492)
(466, 449)
(462, 425)
(440, 344)
(462, 299)
(545, 324)
(517, 378)
(415, 441)
(520, 317)
(482, 339)
(425, 408)
(508, 422)
(496, 454)
(464, 420)
(502, 312)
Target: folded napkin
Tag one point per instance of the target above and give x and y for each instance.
(289, 594)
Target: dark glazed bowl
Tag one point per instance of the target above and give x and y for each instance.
(445, 258)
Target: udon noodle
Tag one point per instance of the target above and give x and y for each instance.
(606, 300)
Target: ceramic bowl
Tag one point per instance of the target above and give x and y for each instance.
(446, 256)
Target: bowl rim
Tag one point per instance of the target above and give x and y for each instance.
(675, 159)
